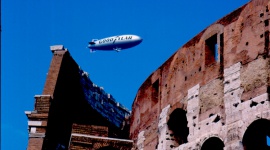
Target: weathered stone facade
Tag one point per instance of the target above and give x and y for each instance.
(74, 113)
(215, 89)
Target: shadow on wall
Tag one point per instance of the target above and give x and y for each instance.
(108, 148)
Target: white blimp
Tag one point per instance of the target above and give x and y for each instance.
(116, 43)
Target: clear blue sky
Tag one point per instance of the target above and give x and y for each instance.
(30, 27)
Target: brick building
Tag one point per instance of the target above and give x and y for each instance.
(213, 93)
(74, 113)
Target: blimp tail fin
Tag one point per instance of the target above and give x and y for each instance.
(92, 43)
(92, 50)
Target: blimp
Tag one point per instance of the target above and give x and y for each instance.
(115, 43)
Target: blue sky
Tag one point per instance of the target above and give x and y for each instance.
(30, 27)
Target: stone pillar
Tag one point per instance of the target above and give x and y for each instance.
(193, 109)
(233, 109)
(164, 141)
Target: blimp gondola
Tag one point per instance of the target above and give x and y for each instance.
(114, 43)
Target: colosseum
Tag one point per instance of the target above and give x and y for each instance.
(212, 93)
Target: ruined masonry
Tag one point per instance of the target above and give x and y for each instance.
(213, 93)
(74, 113)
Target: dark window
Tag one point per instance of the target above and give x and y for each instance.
(211, 50)
(177, 123)
(155, 91)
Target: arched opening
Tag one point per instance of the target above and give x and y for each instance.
(255, 137)
(108, 148)
(213, 143)
(177, 123)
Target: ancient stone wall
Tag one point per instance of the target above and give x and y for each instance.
(72, 104)
(95, 138)
(220, 79)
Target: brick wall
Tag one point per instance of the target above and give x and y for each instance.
(64, 108)
(38, 119)
(217, 94)
(83, 142)
(101, 131)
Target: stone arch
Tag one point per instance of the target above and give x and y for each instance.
(177, 123)
(212, 42)
(214, 143)
(212, 30)
(255, 135)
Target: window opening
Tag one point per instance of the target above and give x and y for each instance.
(211, 50)
(155, 90)
(177, 123)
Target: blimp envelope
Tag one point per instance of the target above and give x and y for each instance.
(116, 43)
(268, 140)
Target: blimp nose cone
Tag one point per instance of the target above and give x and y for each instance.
(138, 39)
